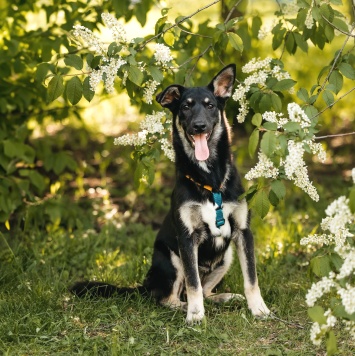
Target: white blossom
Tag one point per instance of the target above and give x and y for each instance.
(153, 123)
(162, 54)
(90, 39)
(264, 168)
(149, 91)
(296, 114)
(168, 149)
(296, 169)
(347, 296)
(118, 32)
(256, 64)
(309, 19)
(319, 288)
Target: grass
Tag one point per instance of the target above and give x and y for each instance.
(39, 317)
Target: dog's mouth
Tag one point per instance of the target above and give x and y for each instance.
(199, 142)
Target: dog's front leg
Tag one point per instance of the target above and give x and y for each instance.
(245, 249)
(189, 257)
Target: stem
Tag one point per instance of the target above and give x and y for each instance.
(336, 135)
(335, 61)
(330, 106)
(178, 23)
(349, 34)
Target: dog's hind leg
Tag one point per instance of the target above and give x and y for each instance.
(211, 281)
(245, 249)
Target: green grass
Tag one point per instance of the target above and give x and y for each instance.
(39, 317)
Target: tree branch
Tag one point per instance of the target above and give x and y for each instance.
(336, 135)
(178, 23)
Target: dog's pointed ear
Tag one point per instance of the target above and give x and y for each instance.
(222, 84)
(170, 96)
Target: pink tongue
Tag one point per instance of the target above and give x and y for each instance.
(201, 149)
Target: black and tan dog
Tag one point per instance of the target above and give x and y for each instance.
(192, 251)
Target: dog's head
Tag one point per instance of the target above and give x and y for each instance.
(198, 111)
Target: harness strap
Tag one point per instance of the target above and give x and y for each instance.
(217, 199)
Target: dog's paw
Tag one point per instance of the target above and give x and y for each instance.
(259, 309)
(195, 315)
(225, 297)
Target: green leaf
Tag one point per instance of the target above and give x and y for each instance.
(268, 143)
(135, 75)
(283, 84)
(276, 102)
(42, 70)
(292, 126)
(301, 42)
(278, 188)
(253, 142)
(255, 26)
(74, 90)
(336, 79)
(169, 38)
(316, 313)
(320, 265)
(75, 61)
(328, 97)
(156, 74)
(352, 200)
(257, 119)
(303, 94)
(340, 24)
(87, 92)
(37, 180)
(55, 88)
(347, 70)
(271, 126)
(331, 342)
(310, 111)
(261, 203)
(235, 41)
(273, 198)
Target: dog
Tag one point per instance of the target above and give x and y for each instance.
(193, 250)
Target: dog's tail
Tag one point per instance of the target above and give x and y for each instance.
(93, 289)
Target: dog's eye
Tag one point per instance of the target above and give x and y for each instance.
(210, 106)
(185, 107)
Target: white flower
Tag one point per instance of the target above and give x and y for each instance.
(296, 169)
(319, 289)
(315, 334)
(149, 91)
(264, 168)
(168, 149)
(118, 32)
(272, 116)
(296, 114)
(347, 295)
(162, 54)
(90, 38)
(153, 123)
(256, 64)
(309, 19)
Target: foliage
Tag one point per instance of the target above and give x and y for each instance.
(46, 71)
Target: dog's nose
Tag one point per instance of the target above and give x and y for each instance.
(199, 127)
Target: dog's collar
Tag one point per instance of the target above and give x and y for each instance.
(217, 199)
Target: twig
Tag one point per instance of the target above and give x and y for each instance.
(336, 135)
(231, 11)
(335, 61)
(273, 316)
(349, 34)
(329, 106)
(178, 23)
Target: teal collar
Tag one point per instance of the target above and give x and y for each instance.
(217, 199)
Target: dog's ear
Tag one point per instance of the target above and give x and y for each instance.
(170, 96)
(222, 84)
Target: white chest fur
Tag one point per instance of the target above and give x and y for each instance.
(194, 215)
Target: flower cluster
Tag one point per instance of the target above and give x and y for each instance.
(153, 129)
(264, 168)
(118, 32)
(259, 71)
(162, 54)
(149, 90)
(336, 227)
(293, 163)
